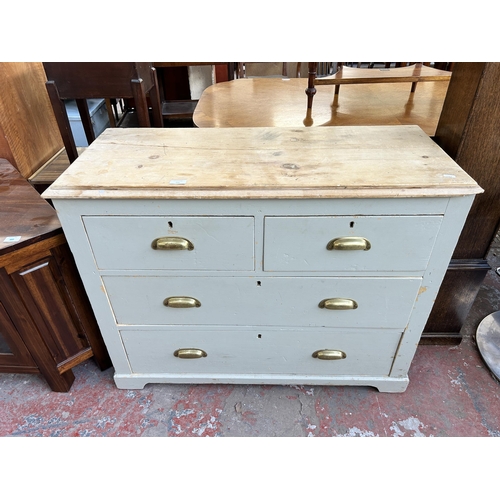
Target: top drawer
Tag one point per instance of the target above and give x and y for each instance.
(393, 243)
(200, 243)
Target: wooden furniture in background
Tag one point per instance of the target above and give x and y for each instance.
(274, 102)
(359, 222)
(175, 92)
(87, 80)
(51, 170)
(29, 135)
(266, 70)
(46, 323)
(349, 76)
(468, 130)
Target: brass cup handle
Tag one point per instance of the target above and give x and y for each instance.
(349, 243)
(181, 302)
(329, 354)
(338, 304)
(171, 243)
(190, 353)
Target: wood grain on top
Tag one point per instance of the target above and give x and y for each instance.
(335, 162)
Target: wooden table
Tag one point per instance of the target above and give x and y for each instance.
(275, 102)
(46, 323)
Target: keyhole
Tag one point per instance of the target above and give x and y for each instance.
(259, 336)
(351, 224)
(171, 225)
(259, 283)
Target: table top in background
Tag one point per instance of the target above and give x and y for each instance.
(276, 102)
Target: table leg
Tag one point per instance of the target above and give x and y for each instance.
(311, 90)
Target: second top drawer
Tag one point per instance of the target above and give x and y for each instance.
(172, 243)
(381, 243)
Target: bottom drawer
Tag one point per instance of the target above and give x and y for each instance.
(271, 351)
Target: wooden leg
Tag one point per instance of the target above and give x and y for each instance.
(83, 109)
(413, 86)
(111, 115)
(154, 97)
(62, 121)
(141, 103)
(311, 90)
(80, 305)
(60, 382)
(337, 89)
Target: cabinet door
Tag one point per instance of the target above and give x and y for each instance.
(13, 352)
(43, 292)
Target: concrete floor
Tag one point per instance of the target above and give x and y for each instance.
(451, 393)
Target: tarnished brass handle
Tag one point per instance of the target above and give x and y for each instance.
(190, 353)
(172, 243)
(329, 354)
(338, 304)
(349, 243)
(181, 302)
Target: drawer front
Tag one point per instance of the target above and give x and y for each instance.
(402, 243)
(381, 302)
(261, 351)
(213, 243)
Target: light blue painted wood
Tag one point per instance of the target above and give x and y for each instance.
(382, 302)
(138, 381)
(265, 310)
(254, 207)
(220, 243)
(271, 352)
(398, 243)
(452, 225)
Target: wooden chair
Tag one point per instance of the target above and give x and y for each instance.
(87, 80)
(345, 75)
(175, 88)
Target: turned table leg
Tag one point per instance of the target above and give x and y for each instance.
(311, 90)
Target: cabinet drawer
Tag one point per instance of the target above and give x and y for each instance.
(381, 302)
(402, 243)
(216, 243)
(284, 351)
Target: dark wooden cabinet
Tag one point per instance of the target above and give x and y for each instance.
(46, 322)
(469, 131)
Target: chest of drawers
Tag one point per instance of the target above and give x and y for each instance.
(263, 256)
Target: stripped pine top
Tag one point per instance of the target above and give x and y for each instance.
(331, 162)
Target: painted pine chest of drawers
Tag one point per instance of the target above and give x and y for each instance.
(263, 255)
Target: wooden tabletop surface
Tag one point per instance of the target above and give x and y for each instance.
(276, 102)
(254, 163)
(24, 216)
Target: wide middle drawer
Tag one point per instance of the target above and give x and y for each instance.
(279, 301)
(161, 242)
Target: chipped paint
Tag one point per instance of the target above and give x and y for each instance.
(411, 424)
(421, 290)
(355, 432)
